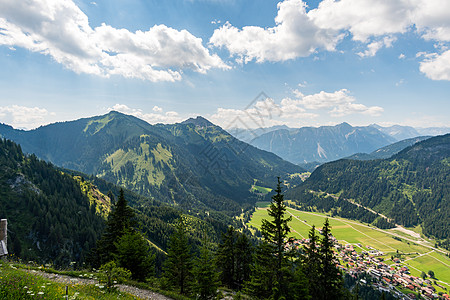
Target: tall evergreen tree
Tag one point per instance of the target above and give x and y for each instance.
(312, 263)
(276, 273)
(225, 257)
(120, 220)
(275, 232)
(262, 276)
(331, 280)
(178, 265)
(133, 254)
(205, 274)
(244, 251)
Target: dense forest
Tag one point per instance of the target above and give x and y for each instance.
(411, 188)
(57, 215)
(50, 219)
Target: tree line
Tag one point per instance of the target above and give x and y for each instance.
(273, 268)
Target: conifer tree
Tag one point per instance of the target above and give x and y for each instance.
(312, 263)
(226, 258)
(244, 251)
(276, 273)
(133, 254)
(178, 265)
(120, 220)
(275, 232)
(263, 273)
(205, 274)
(331, 280)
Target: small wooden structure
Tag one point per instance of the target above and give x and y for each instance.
(3, 237)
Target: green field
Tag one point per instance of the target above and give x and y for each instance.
(350, 231)
(260, 189)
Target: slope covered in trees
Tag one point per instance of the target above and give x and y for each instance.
(50, 219)
(412, 187)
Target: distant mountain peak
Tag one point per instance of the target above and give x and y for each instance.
(198, 121)
(344, 125)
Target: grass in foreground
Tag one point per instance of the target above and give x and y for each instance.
(20, 284)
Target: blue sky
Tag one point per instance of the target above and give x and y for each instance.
(318, 62)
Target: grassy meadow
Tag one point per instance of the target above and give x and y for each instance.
(417, 257)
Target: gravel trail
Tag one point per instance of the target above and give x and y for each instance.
(140, 293)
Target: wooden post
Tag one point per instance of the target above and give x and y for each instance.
(3, 237)
(67, 292)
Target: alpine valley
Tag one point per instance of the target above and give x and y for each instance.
(59, 186)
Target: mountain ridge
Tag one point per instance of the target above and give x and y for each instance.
(193, 166)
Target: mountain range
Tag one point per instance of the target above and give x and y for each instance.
(311, 146)
(412, 188)
(195, 164)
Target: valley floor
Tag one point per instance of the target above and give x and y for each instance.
(364, 247)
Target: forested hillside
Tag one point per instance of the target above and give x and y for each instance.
(49, 217)
(412, 187)
(57, 215)
(195, 164)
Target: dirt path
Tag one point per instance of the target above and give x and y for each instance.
(140, 293)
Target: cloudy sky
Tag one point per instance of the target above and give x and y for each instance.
(291, 62)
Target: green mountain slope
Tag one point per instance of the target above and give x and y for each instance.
(412, 187)
(389, 150)
(49, 216)
(195, 164)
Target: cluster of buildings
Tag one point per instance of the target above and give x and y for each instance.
(394, 278)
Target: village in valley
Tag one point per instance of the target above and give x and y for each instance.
(367, 265)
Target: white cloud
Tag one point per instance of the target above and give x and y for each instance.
(373, 23)
(60, 29)
(364, 18)
(340, 102)
(157, 109)
(400, 82)
(373, 47)
(23, 117)
(293, 112)
(152, 118)
(436, 66)
(401, 56)
(293, 36)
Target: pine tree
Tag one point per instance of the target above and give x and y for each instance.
(312, 263)
(205, 274)
(275, 232)
(331, 280)
(263, 273)
(178, 265)
(225, 257)
(120, 220)
(133, 254)
(244, 251)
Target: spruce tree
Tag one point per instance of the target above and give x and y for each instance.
(263, 273)
(225, 257)
(274, 270)
(244, 251)
(133, 254)
(331, 280)
(205, 274)
(120, 220)
(275, 233)
(312, 263)
(178, 265)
